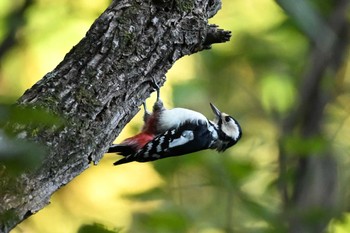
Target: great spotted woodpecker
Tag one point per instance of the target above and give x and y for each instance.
(159, 121)
(177, 132)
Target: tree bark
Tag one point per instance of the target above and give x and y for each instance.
(98, 87)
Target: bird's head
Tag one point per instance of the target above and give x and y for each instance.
(229, 131)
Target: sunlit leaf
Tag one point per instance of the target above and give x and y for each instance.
(96, 228)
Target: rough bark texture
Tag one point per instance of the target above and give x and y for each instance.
(98, 87)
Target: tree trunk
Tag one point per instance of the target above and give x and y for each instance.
(98, 87)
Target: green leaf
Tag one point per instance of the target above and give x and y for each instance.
(277, 93)
(228, 171)
(18, 155)
(149, 195)
(12, 114)
(166, 219)
(96, 228)
(305, 146)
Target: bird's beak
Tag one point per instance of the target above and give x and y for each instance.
(215, 110)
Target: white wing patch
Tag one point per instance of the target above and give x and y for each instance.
(149, 146)
(185, 137)
(159, 146)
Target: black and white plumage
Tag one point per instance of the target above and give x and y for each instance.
(228, 129)
(186, 131)
(156, 123)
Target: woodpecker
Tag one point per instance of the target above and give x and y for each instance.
(182, 131)
(155, 123)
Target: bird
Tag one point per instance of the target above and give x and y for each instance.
(155, 123)
(176, 132)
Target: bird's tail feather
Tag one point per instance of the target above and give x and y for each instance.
(123, 150)
(121, 161)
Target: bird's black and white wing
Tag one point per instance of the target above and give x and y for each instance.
(183, 140)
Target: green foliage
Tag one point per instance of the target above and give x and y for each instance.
(17, 122)
(234, 171)
(95, 228)
(9, 215)
(277, 93)
(166, 219)
(305, 147)
(152, 194)
(11, 115)
(19, 155)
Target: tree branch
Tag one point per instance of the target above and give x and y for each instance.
(98, 87)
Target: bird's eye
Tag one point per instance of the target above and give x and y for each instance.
(227, 118)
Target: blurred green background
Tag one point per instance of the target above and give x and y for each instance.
(259, 77)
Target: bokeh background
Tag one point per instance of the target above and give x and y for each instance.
(260, 77)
